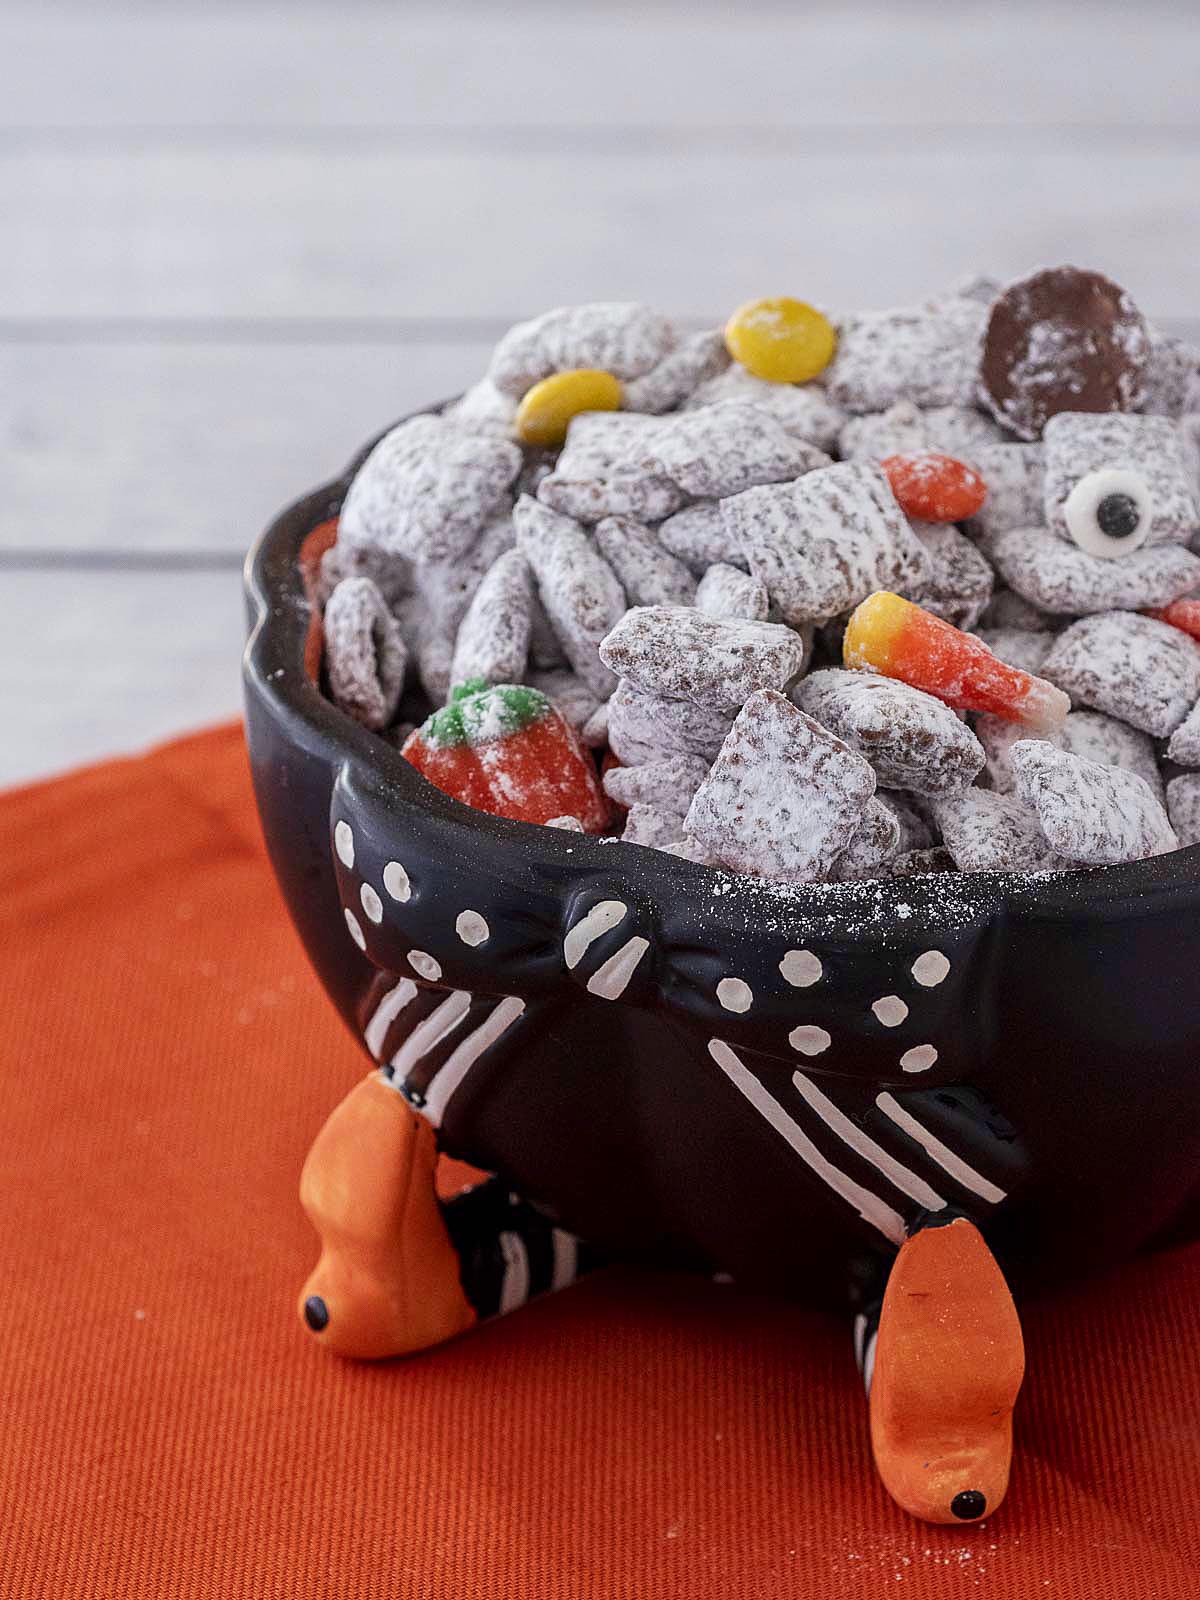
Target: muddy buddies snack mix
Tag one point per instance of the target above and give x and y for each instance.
(815, 596)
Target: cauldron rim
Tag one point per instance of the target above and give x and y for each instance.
(273, 663)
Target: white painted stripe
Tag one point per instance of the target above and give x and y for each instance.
(904, 1179)
(860, 1333)
(957, 1168)
(869, 1206)
(514, 1291)
(598, 920)
(428, 1033)
(611, 980)
(566, 1258)
(868, 1368)
(386, 1012)
(466, 1055)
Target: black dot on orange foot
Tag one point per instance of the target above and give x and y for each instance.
(968, 1505)
(316, 1314)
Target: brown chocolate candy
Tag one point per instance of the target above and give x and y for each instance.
(1062, 340)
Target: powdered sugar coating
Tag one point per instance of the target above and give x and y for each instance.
(915, 830)
(998, 738)
(567, 692)
(1100, 738)
(427, 489)
(726, 592)
(621, 337)
(960, 580)
(594, 731)
(1172, 375)
(958, 431)
(912, 741)
(581, 593)
(643, 727)
(827, 541)
(699, 537)
(544, 648)
(1020, 647)
(607, 468)
(1100, 815)
(1184, 743)
(493, 639)
(649, 575)
(1009, 611)
(803, 409)
(365, 653)
(684, 654)
(484, 409)
(919, 863)
(1183, 807)
(723, 449)
(445, 590)
(928, 355)
(689, 850)
(1140, 671)
(668, 784)
(697, 359)
(1078, 443)
(392, 575)
(873, 845)
(1015, 475)
(989, 832)
(784, 797)
(1060, 577)
(566, 824)
(647, 825)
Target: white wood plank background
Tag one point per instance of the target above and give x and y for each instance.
(240, 238)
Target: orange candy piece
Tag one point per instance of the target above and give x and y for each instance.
(933, 487)
(889, 635)
(1181, 614)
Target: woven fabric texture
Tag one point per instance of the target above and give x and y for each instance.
(168, 1431)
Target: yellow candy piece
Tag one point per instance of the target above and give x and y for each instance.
(781, 340)
(548, 407)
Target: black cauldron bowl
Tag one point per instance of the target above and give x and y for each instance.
(1020, 1049)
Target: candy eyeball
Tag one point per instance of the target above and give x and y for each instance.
(1109, 513)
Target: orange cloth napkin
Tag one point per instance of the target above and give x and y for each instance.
(168, 1431)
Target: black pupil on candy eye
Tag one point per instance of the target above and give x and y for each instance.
(1117, 515)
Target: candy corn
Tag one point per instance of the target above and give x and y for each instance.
(891, 636)
(504, 749)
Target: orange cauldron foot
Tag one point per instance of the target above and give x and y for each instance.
(949, 1360)
(388, 1281)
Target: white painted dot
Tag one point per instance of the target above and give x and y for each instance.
(371, 903)
(395, 881)
(930, 969)
(428, 966)
(356, 932)
(343, 843)
(735, 994)
(919, 1059)
(801, 968)
(809, 1040)
(471, 928)
(890, 1010)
